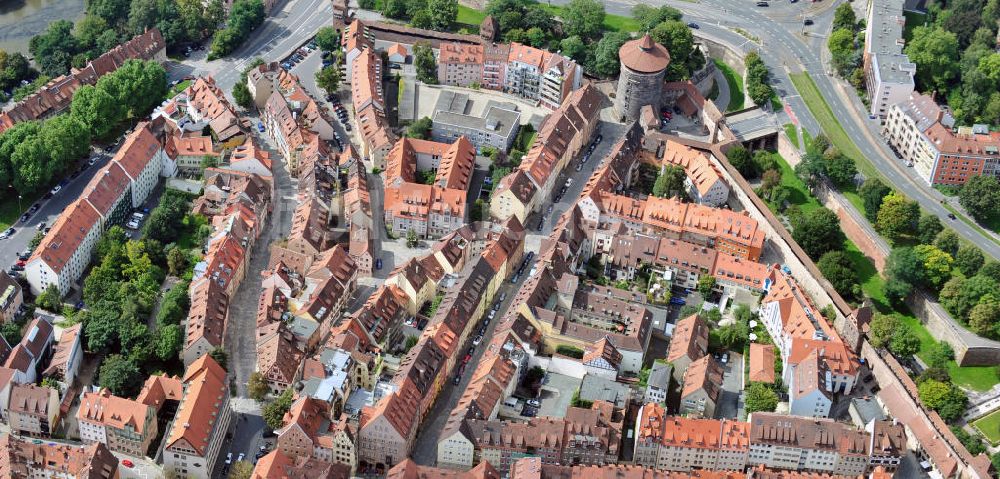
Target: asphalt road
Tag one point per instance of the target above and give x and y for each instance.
(290, 25)
(47, 213)
(789, 46)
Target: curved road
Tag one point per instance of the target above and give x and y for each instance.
(791, 47)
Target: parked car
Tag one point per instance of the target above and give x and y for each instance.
(762, 4)
(503, 296)
(128, 463)
(56, 189)
(7, 234)
(41, 226)
(693, 25)
(534, 403)
(25, 217)
(378, 263)
(807, 22)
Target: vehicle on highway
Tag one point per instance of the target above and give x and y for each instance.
(92, 161)
(7, 234)
(807, 22)
(951, 216)
(25, 217)
(693, 25)
(56, 189)
(762, 4)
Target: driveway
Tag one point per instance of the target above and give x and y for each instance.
(730, 404)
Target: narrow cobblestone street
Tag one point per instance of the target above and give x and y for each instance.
(240, 329)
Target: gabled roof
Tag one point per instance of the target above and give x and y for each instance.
(206, 394)
(690, 339)
(762, 363)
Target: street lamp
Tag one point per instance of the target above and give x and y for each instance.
(18, 202)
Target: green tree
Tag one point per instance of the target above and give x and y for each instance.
(991, 270)
(50, 299)
(220, 356)
(843, 54)
(981, 197)
(669, 182)
(984, 317)
(426, 65)
(706, 283)
(760, 397)
(897, 217)
(969, 259)
(169, 341)
(606, 62)
(257, 387)
(420, 128)
(120, 375)
(649, 17)
(841, 170)
(903, 270)
(177, 261)
(96, 109)
(731, 336)
(928, 227)
(758, 79)
(113, 12)
(843, 17)
(65, 140)
(904, 343)
(54, 48)
(763, 161)
(933, 393)
(960, 295)
(947, 241)
(954, 404)
(241, 470)
(882, 327)
(872, 192)
(574, 48)
(817, 232)
(677, 38)
(839, 270)
(583, 18)
(244, 17)
(241, 93)
(936, 263)
(940, 354)
(972, 443)
(274, 412)
(443, 13)
(327, 39)
(934, 50)
(740, 158)
(329, 78)
(411, 238)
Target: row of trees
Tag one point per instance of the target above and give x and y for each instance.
(110, 22)
(244, 17)
(33, 154)
(758, 79)
(845, 44)
(428, 14)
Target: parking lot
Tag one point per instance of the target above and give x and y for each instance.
(730, 405)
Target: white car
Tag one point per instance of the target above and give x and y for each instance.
(132, 225)
(534, 403)
(238, 459)
(475, 342)
(55, 190)
(229, 458)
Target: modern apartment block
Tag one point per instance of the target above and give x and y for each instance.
(925, 137)
(517, 69)
(496, 127)
(888, 71)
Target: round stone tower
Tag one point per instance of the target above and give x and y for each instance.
(640, 83)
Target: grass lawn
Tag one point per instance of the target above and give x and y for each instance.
(178, 88)
(523, 141)
(979, 378)
(11, 209)
(735, 81)
(793, 134)
(833, 129)
(807, 139)
(989, 426)
(470, 17)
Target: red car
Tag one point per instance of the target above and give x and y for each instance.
(21, 263)
(127, 463)
(466, 358)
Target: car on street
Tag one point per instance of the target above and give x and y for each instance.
(503, 296)
(16, 267)
(951, 216)
(41, 226)
(762, 4)
(92, 161)
(807, 22)
(56, 189)
(693, 25)
(475, 342)
(378, 263)
(128, 463)
(25, 217)
(7, 234)
(21, 263)
(24, 256)
(241, 457)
